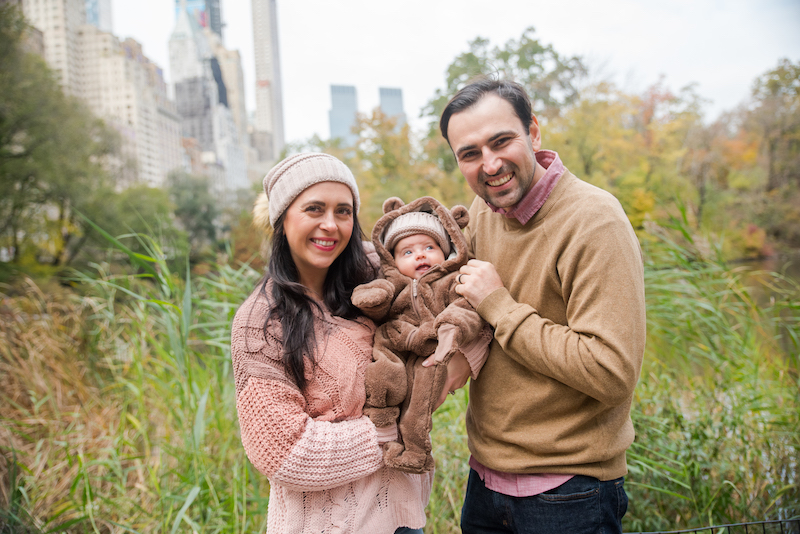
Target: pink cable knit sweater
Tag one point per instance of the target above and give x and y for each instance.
(320, 453)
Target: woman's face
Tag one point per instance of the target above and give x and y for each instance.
(318, 226)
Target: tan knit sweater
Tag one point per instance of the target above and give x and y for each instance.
(555, 393)
(319, 452)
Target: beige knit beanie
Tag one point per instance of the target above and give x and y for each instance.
(286, 180)
(416, 222)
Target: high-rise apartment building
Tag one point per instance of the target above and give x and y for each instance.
(268, 137)
(115, 80)
(230, 65)
(342, 115)
(98, 14)
(202, 100)
(391, 103)
(206, 12)
(128, 91)
(59, 21)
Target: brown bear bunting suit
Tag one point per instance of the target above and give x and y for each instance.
(421, 317)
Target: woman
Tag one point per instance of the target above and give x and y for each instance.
(299, 350)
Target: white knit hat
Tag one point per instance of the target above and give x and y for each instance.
(416, 222)
(286, 180)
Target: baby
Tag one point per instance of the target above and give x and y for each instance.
(421, 249)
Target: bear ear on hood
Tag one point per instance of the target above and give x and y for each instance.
(461, 215)
(392, 203)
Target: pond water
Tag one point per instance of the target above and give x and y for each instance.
(787, 266)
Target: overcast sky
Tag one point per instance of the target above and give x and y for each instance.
(722, 45)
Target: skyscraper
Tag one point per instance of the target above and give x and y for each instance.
(206, 12)
(269, 96)
(342, 116)
(230, 65)
(59, 21)
(391, 101)
(128, 90)
(202, 100)
(98, 14)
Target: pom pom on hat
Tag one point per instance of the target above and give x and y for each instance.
(286, 180)
(416, 222)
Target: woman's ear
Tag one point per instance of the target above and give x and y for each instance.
(392, 203)
(461, 215)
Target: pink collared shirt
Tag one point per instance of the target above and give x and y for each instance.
(513, 484)
(526, 208)
(517, 485)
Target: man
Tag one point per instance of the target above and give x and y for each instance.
(558, 274)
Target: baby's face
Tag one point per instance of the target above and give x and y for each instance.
(416, 254)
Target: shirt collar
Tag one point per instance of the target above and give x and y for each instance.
(526, 208)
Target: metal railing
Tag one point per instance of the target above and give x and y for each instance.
(780, 526)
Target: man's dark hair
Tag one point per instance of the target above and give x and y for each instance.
(468, 96)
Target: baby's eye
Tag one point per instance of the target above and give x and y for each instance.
(429, 247)
(406, 252)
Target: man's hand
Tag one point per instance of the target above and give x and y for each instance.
(458, 372)
(477, 279)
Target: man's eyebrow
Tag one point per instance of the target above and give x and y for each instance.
(465, 149)
(504, 133)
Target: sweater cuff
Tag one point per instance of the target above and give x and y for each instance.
(386, 433)
(496, 306)
(477, 350)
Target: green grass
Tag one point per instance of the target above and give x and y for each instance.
(118, 404)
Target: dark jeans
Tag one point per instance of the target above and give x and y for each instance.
(406, 530)
(582, 505)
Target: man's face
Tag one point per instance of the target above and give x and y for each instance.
(494, 151)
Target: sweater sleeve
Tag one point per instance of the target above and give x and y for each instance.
(599, 351)
(279, 436)
(294, 450)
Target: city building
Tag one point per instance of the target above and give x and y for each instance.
(268, 137)
(59, 21)
(98, 14)
(206, 12)
(202, 101)
(128, 90)
(342, 115)
(115, 80)
(391, 104)
(32, 38)
(230, 64)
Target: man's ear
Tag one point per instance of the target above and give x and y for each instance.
(535, 133)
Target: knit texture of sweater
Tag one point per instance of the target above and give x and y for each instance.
(555, 393)
(320, 453)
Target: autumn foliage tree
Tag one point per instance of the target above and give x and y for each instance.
(51, 154)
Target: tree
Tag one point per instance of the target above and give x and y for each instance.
(386, 161)
(51, 152)
(775, 116)
(550, 79)
(195, 208)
